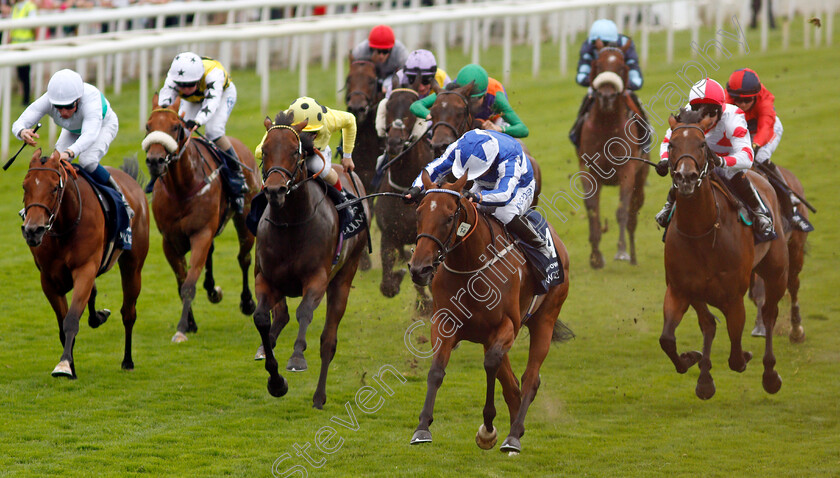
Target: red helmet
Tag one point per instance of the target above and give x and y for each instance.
(381, 37)
(707, 91)
(743, 83)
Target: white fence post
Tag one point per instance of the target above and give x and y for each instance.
(303, 70)
(6, 99)
(535, 25)
(669, 42)
(142, 110)
(506, 44)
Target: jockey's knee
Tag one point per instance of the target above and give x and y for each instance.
(88, 162)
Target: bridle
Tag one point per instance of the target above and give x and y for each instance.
(53, 212)
(171, 156)
(704, 171)
(457, 235)
(369, 98)
(290, 185)
(467, 119)
(399, 123)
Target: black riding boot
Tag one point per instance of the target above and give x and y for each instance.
(663, 217)
(522, 229)
(763, 223)
(574, 133)
(237, 182)
(787, 201)
(345, 215)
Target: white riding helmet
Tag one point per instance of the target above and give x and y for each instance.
(65, 87)
(475, 153)
(187, 67)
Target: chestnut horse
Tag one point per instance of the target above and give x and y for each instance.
(470, 245)
(710, 257)
(608, 136)
(297, 242)
(66, 232)
(190, 208)
(396, 219)
(453, 114)
(796, 252)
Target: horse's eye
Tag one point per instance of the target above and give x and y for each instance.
(449, 219)
(55, 190)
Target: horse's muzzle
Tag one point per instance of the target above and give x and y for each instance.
(421, 275)
(156, 165)
(33, 235)
(276, 195)
(685, 182)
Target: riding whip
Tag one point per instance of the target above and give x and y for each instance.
(779, 183)
(9, 162)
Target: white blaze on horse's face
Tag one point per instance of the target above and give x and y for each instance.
(433, 206)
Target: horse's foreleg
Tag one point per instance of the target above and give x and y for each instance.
(313, 293)
(214, 293)
(735, 318)
(246, 243)
(433, 382)
(178, 264)
(637, 199)
(757, 296)
(388, 252)
(510, 388)
(596, 259)
(83, 278)
(200, 245)
(621, 216)
(494, 353)
(705, 384)
(796, 254)
(130, 266)
(96, 317)
(337, 294)
(673, 309)
(58, 302)
(277, 385)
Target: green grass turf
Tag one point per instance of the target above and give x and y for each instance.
(610, 402)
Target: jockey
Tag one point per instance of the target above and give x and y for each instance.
(88, 123)
(208, 96)
(606, 31)
(729, 139)
(493, 108)
(383, 50)
(503, 180)
(744, 90)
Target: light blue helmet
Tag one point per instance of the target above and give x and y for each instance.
(604, 30)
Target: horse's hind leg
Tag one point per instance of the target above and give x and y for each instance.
(796, 253)
(96, 317)
(705, 385)
(337, 293)
(775, 281)
(433, 382)
(277, 385)
(214, 292)
(637, 199)
(621, 216)
(313, 293)
(494, 353)
(388, 253)
(130, 266)
(674, 309)
(757, 296)
(83, 278)
(246, 243)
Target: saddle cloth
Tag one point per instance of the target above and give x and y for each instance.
(548, 269)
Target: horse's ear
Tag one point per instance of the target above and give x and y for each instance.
(467, 89)
(599, 44)
(56, 155)
(395, 82)
(460, 183)
(672, 121)
(176, 105)
(427, 180)
(706, 122)
(36, 154)
(155, 98)
(299, 127)
(350, 56)
(267, 123)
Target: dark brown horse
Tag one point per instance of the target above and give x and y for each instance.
(363, 95)
(609, 134)
(190, 207)
(484, 293)
(65, 229)
(297, 241)
(396, 219)
(796, 253)
(710, 257)
(453, 114)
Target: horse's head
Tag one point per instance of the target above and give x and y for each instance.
(451, 116)
(362, 88)
(441, 216)
(688, 154)
(165, 138)
(283, 153)
(609, 75)
(43, 190)
(399, 120)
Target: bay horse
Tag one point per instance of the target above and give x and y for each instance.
(796, 253)
(453, 114)
(396, 219)
(607, 137)
(472, 304)
(297, 242)
(190, 208)
(65, 229)
(710, 257)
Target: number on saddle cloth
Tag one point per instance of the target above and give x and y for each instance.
(548, 269)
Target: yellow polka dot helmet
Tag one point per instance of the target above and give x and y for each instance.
(306, 108)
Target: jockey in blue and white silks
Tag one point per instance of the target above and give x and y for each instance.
(503, 178)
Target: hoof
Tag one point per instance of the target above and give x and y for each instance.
(484, 439)
(758, 330)
(318, 402)
(705, 388)
(772, 381)
(179, 337)
(424, 306)
(689, 359)
(622, 256)
(63, 369)
(364, 262)
(421, 436)
(260, 355)
(797, 334)
(247, 306)
(128, 365)
(596, 260)
(100, 318)
(389, 289)
(511, 446)
(215, 295)
(278, 388)
(297, 363)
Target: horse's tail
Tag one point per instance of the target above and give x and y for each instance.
(561, 332)
(131, 166)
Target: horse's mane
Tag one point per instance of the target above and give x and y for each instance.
(611, 48)
(306, 141)
(688, 116)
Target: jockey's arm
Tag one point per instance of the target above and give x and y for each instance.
(631, 59)
(168, 93)
(381, 118)
(420, 108)
(337, 120)
(30, 116)
(765, 123)
(438, 168)
(515, 127)
(741, 153)
(215, 83)
(585, 63)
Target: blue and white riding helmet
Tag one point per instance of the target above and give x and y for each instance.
(475, 153)
(604, 30)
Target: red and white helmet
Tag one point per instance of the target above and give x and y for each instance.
(707, 91)
(381, 37)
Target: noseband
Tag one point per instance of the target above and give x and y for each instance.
(465, 123)
(53, 212)
(705, 169)
(455, 233)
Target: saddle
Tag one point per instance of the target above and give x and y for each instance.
(117, 223)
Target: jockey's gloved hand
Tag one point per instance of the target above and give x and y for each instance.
(412, 195)
(718, 161)
(471, 196)
(190, 124)
(662, 168)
